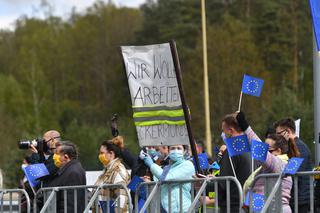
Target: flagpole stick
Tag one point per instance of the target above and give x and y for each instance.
(252, 165)
(234, 172)
(34, 192)
(240, 102)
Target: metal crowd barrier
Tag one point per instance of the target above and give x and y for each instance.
(46, 198)
(215, 181)
(12, 203)
(95, 196)
(198, 189)
(273, 202)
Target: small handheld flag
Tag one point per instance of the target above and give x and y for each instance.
(257, 201)
(35, 171)
(140, 204)
(315, 12)
(237, 145)
(203, 161)
(259, 150)
(134, 183)
(293, 166)
(252, 86)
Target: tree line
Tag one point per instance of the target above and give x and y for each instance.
(68, 74)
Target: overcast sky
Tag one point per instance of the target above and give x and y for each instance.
(10, 10)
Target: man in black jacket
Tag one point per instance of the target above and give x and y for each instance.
(241, 163)
(287, 128)
(70, 173)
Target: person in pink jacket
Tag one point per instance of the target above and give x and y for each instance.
(277, 159)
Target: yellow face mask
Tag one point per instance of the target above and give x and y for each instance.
(103, 159)
(56, 159)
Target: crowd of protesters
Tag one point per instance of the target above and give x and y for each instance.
(173, 162)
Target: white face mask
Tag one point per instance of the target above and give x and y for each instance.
(223, 136)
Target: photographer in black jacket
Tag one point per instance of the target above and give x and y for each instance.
(51, 139)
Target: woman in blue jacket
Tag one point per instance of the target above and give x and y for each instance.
(178, 169)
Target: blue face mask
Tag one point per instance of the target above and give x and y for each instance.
(176, 155)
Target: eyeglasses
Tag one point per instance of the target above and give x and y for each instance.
(282, 131)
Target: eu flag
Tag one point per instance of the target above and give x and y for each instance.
(257, 201)
(293, 166)
(135, 181)
(133, 185)
(237, 145)
(259, 150)
(252, 86)
(105, 204)
(140, 205)
(315, 12)
(35, 171)
(203, 161)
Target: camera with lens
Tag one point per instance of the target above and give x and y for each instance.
(39, 144)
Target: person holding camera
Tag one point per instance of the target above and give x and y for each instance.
(42, 152)
(70, 173)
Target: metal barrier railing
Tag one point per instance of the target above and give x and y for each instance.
(150, 190)
(277, 186)
(49, 196)
(94, 198)
(154, 197)
(7, 203)
(216, 180)
(198, 186)
(311, 175)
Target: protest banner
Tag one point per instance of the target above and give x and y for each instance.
(160, 113)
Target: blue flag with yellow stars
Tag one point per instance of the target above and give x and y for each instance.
(203, 161)
(35, 171)
(257, 201)
(293, 166)
(252, 86)
(237, 145)
(259, 150)
(135, 181)
(315, 12)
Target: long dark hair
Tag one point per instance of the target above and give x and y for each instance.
(287, 147)
(116, 145)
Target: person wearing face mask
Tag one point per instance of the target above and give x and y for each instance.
(70, 173)
(52, 138)
(178, 169)
(241, 163)
(114, 173)
(287, 128)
